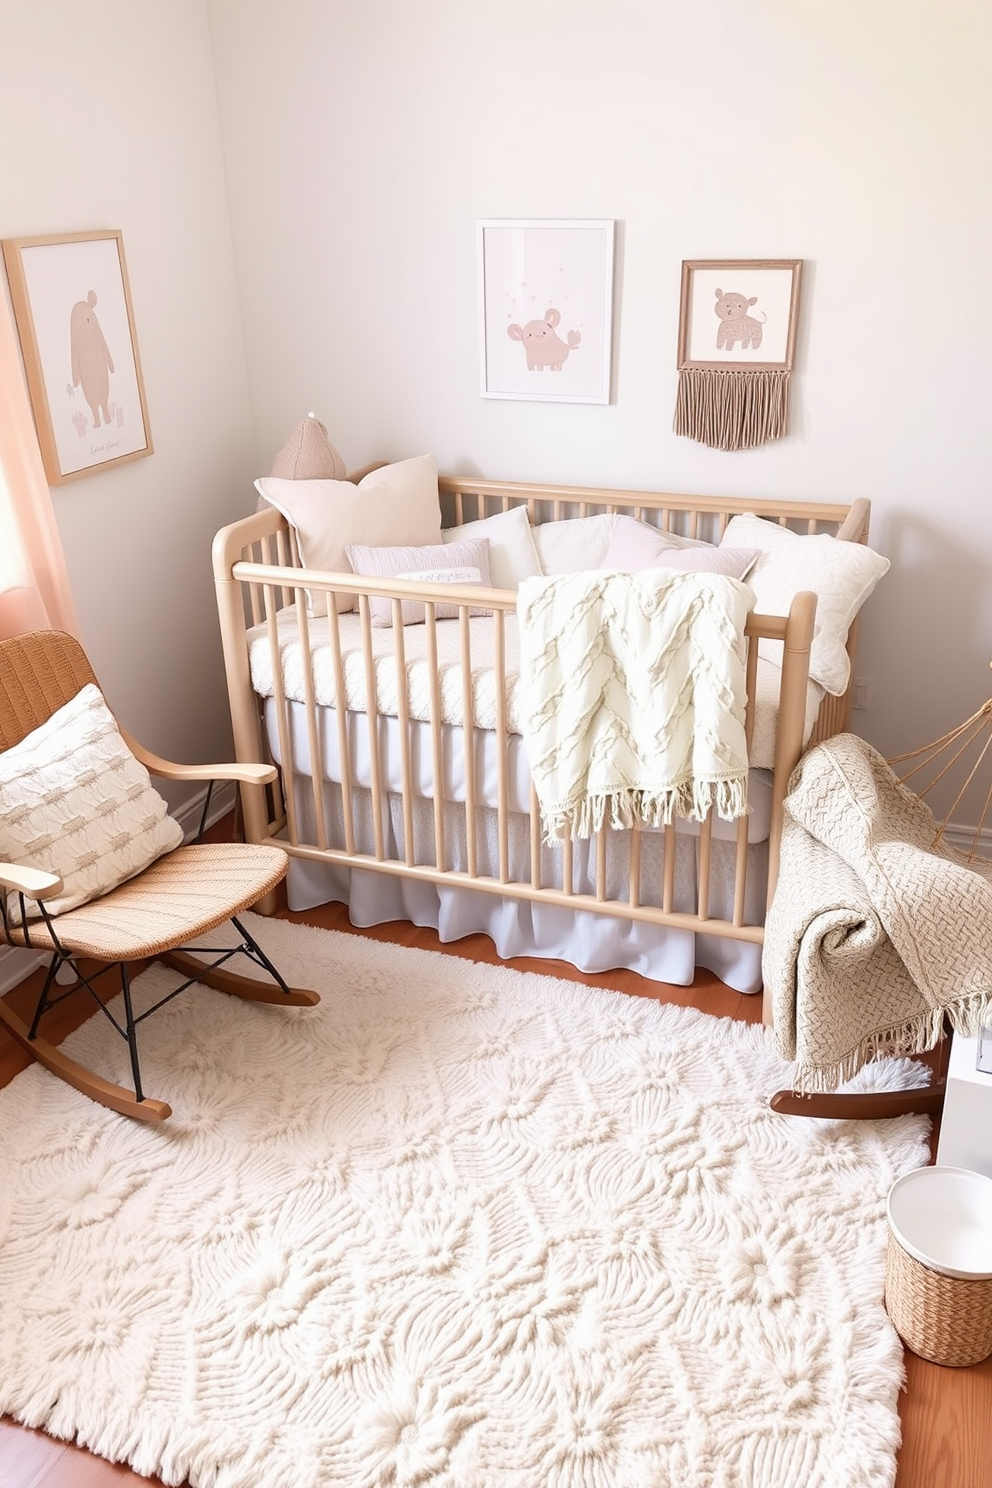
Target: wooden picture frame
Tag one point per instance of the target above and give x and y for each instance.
(546, 309)
(737, 314)
(72, 306)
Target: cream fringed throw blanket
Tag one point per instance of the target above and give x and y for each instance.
(874, 933)
(633, 693)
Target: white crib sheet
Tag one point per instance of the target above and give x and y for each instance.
(291, 661)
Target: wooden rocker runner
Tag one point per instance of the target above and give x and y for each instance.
(154, 915)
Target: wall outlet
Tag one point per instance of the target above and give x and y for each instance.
(861, 693)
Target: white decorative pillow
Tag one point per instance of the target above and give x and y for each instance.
(441, 563)
(75, 801)
(574, 544)
(840, 574)
(512, 554)
(636, 546)
(396, 504)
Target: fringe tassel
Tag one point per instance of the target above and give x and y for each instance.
(732, 410)
(917, 1036)
(633, 806)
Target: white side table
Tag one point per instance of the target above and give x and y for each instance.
(965, 1139)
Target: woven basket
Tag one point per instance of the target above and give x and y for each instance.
(945, 1319)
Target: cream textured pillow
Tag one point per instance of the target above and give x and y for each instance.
(440, 563)
(636, 546)
(75, 801)
(512, 554)
(574, 544)
(396, 504)
(840, 574)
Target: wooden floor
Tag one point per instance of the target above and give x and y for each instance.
(946, 1413)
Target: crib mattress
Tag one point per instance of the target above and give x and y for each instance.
(418, 671)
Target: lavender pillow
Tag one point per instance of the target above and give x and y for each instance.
(439, 563)
(635, 546)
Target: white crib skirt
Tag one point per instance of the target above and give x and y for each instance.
(524, 927)
(591, 941)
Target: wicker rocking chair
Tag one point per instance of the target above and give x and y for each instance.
(153, 915)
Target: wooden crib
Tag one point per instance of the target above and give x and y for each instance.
(381, 804)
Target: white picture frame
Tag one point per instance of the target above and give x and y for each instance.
(546, 309)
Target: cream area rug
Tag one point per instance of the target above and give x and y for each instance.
(456, 1226)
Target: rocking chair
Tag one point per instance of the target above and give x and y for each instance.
(154, 915)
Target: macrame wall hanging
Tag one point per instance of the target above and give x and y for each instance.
(737, 338)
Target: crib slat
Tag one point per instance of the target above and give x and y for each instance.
(468, 723)
(502, 746)
(535, 840)
(437, 753)
(341, 713)
(372, 717)
(668, 871)
(634, 868)
(403, 715)
(705, 859)
(279, 701)
(310, 710)
(601, 863)
(740, 871)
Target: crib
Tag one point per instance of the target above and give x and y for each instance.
(403, 786)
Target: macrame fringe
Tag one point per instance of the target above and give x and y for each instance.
(631, 806)
(732, 410)
(916, 1036)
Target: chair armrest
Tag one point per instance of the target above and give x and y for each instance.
(33, 882)
(246, 774)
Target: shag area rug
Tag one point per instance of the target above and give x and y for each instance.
(457, 1226)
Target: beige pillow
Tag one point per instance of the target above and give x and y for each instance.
(439, 563)
(512, 554)
(574, 544)
(75, 801)
(398, 504)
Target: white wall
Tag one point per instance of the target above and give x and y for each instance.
(364, 138)
(108, 118)
(361, 140)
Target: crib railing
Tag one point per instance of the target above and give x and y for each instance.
(260, 585)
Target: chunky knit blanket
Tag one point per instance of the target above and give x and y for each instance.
(877, 931)
(633, 696)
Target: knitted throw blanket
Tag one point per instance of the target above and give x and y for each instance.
(874, 933)
(632, 693)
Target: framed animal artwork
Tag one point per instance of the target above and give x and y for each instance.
(72, 306)
(737, 343)
(546, 309)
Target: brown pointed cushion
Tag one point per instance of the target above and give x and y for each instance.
(308, 454)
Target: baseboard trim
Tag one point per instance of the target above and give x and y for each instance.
(16, 964)
(963, 839)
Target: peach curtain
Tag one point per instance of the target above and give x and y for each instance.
(34, 583)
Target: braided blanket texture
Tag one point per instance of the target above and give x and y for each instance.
(877, 931)
(633, 696)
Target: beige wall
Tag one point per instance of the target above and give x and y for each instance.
(108, 117)
(298, 185)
